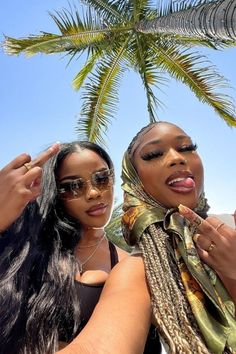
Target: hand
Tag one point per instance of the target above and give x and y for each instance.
(215, 241)
(20, 184)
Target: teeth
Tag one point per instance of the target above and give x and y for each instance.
(176, 180)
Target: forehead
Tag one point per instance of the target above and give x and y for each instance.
(81, 162)
(159, 133)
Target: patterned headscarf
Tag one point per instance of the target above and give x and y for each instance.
(193, 311)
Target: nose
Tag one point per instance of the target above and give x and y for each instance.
(92, 192)
(175, 158)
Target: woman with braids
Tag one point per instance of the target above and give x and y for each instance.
(164, 281)
(55, 258)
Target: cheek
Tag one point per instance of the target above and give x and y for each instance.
(152, 182)
(73, 209)
(199, 176)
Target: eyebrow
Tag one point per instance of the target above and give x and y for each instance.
(74, 177)
(70, 177)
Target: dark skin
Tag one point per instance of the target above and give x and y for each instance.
(111, 328)
(19, 185)
(222, 256)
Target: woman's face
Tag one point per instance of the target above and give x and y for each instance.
(91, 198)
(168, 165)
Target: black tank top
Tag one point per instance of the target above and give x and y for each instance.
(89, 295)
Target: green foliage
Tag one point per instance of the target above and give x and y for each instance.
(119, 35)
(114, 231)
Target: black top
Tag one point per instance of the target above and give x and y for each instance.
(89, 295)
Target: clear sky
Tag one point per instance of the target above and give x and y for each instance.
(38, 105)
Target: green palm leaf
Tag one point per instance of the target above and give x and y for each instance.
(101, 96)
(110, 11)
(202, 80)
(122, 34)
(86, 69)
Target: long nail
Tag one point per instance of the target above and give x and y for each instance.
(184, 210)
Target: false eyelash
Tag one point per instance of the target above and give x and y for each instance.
(190, 147)
(151, 155)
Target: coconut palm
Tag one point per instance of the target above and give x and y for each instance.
(110, 34)
(215, 20)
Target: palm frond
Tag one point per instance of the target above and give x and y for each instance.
(110, 11)
(204, 81)
(86, 70)
(50, 43)
(76, 34)
(148, 75)
(101, 96)
(68, 22)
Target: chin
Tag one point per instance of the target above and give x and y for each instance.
(187, 201)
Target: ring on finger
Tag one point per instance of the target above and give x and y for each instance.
(28, 166)
(211, 247)
(220, 224)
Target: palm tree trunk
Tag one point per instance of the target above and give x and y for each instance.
(215, 21)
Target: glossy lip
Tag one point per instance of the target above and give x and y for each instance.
(179, 174)
(97, 209)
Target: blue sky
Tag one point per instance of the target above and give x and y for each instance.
(38, 105)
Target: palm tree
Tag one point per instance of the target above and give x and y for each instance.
(111, 34)
(215, 20)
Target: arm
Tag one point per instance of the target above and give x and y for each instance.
(222, 256)
(20, 185)
(121, 320)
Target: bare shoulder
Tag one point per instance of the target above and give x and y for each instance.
(128, 274)
(121, 253)
(124, 305)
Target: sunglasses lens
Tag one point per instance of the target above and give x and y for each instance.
(75, 189)
(103, 179)
(72, 190)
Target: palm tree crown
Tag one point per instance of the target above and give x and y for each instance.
(112, 34)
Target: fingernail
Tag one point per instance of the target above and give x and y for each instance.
(195, 237)
(183, 209)
(55, 145)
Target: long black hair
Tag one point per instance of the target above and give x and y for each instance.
(38, 267)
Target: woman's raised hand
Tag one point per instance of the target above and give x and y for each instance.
(20, 184)
(215, 241)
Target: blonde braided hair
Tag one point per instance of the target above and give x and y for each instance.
(171, 310)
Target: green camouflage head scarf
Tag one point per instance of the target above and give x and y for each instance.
(210, 304)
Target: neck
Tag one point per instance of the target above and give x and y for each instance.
(91, 236)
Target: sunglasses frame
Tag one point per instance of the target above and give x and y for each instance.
(70, 187)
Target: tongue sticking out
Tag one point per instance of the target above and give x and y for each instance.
(186, 182)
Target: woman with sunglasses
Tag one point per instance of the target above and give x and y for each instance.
(164, 281)
(56, 258)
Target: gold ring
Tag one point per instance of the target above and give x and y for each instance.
(211, 247)
(197, 221)
(28, 166)
(217, 227)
